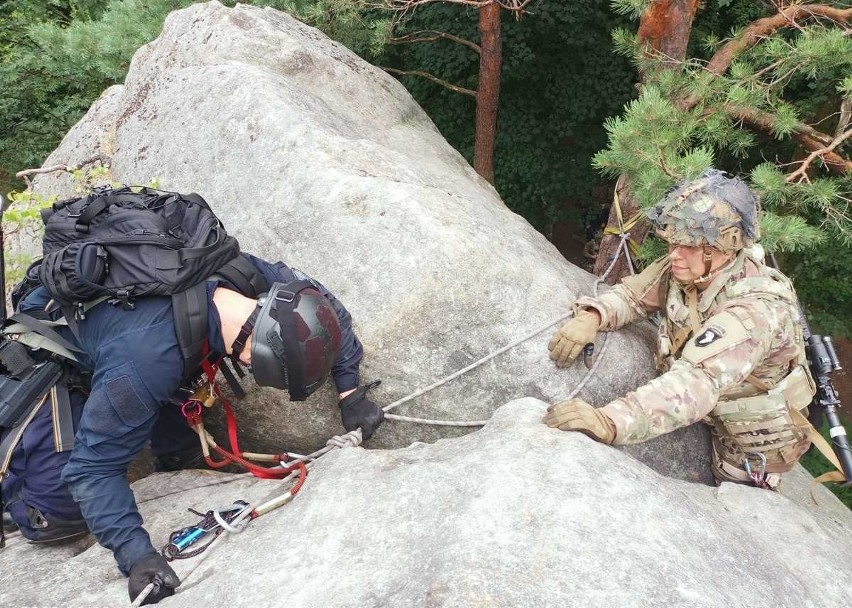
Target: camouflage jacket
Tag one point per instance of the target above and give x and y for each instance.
(739, 363)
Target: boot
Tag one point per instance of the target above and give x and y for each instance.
(52, 530)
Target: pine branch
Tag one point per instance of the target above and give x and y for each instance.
(800, 174)
(433, 78)
(431, 36)
(761, 28)
(808, 137)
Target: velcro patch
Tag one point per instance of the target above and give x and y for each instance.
(709, 335)
(723, 331)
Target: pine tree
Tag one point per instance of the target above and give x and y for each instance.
(772, 103)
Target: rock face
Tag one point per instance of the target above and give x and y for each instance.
(313, 156)
(515, 514)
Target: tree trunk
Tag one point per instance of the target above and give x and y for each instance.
(666, 25)
(611, 242)
(488, 91)
(665, 28)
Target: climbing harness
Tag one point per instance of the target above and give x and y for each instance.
(206, 393)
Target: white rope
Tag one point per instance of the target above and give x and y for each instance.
(475, 364)
(435, 422)
(233, 528)
(142, 596)
(622, 249)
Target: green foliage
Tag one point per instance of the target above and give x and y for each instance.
(20, 220)
(822, 281)
(783, 81)
(57, 57)
(651, 249)
(754, 111)
(788, 233)
(558, 55)
(560, 79)
(52, 69)
(630, 8)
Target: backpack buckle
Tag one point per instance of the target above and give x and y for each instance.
(125, 298)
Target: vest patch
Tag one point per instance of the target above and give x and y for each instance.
(710, 335)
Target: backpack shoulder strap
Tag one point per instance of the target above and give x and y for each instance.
(190, 309)
(243, 275)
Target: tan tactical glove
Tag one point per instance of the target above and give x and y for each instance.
(577, 415)
(568, 341)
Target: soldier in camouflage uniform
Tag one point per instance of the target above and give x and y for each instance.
(730, 341)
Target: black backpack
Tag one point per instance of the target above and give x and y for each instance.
(122, 244)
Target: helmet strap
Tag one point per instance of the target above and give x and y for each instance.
(285, 302)
(708, 260)
(708, 275)
(245, 331)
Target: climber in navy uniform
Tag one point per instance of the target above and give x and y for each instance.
(137, 366)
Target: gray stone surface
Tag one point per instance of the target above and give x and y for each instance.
(515, 514)
(313, 156)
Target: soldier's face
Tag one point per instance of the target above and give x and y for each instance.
(688, 261)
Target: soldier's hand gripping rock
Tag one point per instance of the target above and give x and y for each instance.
(568, 341)
(577, 415)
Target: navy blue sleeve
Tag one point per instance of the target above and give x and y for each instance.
(138, 366)
(346, 370)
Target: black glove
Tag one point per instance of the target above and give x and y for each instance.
(358, 411)
(153, 568)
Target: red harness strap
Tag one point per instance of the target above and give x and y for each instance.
(192, 410)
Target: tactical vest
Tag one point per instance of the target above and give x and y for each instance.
(752, 417)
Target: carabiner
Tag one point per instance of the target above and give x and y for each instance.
(758, 477)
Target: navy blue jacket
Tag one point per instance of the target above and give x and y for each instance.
(137, 366)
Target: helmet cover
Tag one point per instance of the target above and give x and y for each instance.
(715, 209)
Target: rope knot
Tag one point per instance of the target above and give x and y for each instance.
(351, 439)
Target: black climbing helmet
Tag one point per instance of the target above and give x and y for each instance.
(295, 338)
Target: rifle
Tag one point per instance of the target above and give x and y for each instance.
(822, 361)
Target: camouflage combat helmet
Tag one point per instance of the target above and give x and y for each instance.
(713, 209)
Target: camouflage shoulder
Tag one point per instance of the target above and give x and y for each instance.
(721, 332)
